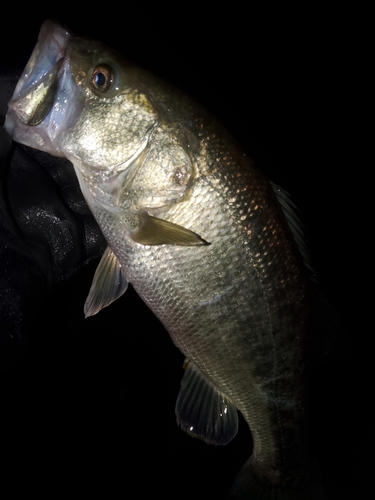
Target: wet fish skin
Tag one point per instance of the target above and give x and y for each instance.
(199, 232)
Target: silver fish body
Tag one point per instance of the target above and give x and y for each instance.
(201, 235)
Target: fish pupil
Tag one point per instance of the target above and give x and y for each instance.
(100, 79)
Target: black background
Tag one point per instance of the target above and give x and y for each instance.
(87, 406)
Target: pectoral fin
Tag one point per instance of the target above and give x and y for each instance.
(203, 411)
(109, 284)
(154, 231)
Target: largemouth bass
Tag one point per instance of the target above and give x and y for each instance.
(212, 247)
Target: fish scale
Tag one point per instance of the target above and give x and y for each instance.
(203, 238)
(196, 329)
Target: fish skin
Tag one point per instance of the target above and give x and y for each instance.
(222, 270)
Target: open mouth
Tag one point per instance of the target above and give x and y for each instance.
(36, 90)
(45, 102)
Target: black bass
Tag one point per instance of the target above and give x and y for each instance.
(205, 239)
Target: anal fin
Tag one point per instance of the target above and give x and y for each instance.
(203, 411)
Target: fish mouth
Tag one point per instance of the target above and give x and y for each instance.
(39, 108)
(32, 107)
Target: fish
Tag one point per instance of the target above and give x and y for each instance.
(213, 247)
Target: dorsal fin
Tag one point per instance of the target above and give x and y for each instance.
(290, 211)
(203, 411)
(326, 320)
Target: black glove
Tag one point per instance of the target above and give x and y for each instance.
(47, 233)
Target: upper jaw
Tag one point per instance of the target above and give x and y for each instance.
(51, 46)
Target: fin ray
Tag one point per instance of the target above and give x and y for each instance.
(203, 411)
(326, 319)
(109, 284)
(155, 231)
(290, 211)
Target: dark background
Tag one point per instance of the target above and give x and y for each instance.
(87, 406)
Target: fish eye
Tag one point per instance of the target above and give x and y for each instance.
(102, 78)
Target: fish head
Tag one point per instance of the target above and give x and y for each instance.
(79, 99)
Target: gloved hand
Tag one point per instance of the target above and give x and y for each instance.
(47, 233)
